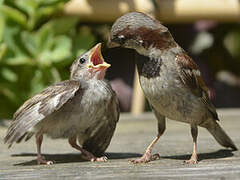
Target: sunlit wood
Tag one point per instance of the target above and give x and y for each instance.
(167, 11)
(138, 99)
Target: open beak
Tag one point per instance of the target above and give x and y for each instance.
(96, 59)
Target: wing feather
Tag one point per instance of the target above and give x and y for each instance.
(38, 107)
(191, 77)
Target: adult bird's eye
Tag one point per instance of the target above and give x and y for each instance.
(121, 39)
(82, 60)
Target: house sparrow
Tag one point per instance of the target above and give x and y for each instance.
(169, 78)
(84, 108)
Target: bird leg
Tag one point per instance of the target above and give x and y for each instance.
(86, 155)
(193, 159)
(147, 156)
(40, 158)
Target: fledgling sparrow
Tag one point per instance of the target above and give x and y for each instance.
(169, 78)
(84, 108)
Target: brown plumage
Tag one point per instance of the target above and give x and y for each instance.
(84, 108)
(169, 78)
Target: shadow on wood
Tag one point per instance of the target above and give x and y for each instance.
(69, 158)
(223, 153)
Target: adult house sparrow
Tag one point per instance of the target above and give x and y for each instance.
(170, 79)
(84, 108)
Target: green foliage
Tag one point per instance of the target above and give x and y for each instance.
(37, 46)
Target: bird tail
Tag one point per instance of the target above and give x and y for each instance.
(221, 136)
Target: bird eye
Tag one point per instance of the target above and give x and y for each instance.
(82, 60)
(140, 42)
(121, 39)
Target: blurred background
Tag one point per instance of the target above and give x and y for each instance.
(39, 39)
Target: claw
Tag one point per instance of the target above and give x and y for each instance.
(92, 158)
(41, 160)
(147, 157)
(191, 161)
(101, 159)
(49, 162)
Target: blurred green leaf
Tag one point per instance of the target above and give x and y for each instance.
(2, 24)
(14, 15)
(30, 43)
(9, 74)
(62, 49)
(62, 25)
(20, 60)
(12, 40)
(3, 49)
(28, 6)
(45, 39)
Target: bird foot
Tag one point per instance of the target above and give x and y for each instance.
(191, 161)
(100, 159)
(92, 158)
(147, 157)
(41, 160)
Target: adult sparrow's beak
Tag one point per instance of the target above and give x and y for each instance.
(96, 59)
(112, 44)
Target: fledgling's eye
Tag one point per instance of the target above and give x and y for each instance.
(82, 60)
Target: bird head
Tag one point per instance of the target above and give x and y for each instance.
(89, 65)
(138, 31)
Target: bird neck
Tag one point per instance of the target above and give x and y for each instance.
(149, 63)
(148, 67)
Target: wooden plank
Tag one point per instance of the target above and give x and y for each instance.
(171, 11)
(138, 99)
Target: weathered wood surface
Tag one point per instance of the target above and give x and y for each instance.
(132, 136)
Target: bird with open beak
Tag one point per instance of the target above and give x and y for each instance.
(84, 108)
(169, 78)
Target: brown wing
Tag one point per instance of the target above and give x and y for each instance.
(100, 139)
(39, 107)
(191, 77)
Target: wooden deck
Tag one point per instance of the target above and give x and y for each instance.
(132, 136)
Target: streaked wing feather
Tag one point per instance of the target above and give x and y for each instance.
(191, 77)
(39, 107)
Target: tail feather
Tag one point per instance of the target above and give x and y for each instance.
(221, 137)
